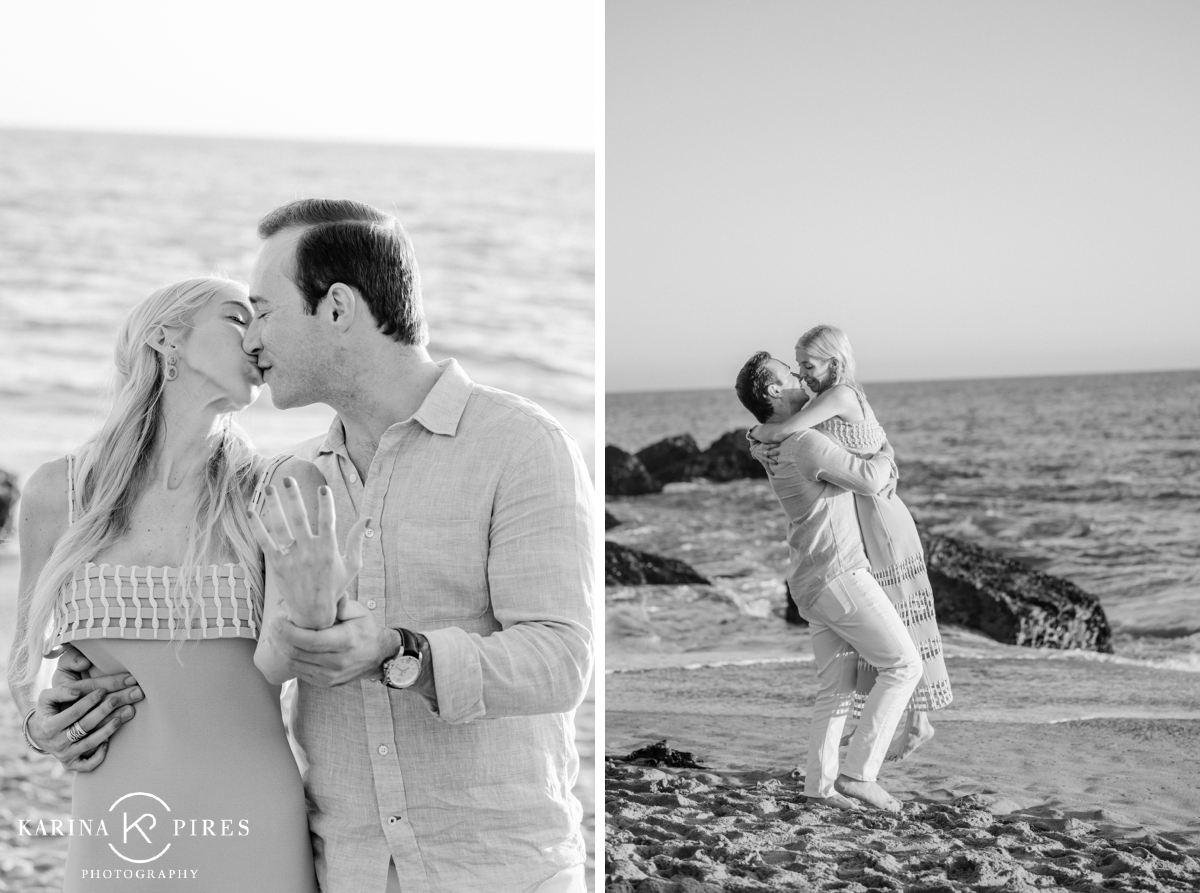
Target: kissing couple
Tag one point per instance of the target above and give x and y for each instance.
(424, 570)
(857, 572)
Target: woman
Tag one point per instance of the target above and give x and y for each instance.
(841, 412)
(139, 550)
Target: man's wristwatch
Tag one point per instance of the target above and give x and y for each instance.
(402, 670)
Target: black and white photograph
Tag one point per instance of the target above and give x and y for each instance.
(298, 514)
(902, 457)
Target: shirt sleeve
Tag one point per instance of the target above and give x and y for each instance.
(541, 572)
(823, 460)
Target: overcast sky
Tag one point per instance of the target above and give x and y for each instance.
(969, 189)
(511, 74)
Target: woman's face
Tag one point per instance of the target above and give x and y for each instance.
(817, 373)
(210, 351)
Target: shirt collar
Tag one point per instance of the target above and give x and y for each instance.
(440, 411)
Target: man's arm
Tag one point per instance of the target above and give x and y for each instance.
(540, 574)
(823, 460)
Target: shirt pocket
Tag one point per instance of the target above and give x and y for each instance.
(441, 569)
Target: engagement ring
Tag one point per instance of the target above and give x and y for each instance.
(76, 733)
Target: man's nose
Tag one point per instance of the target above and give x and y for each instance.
(251, 342)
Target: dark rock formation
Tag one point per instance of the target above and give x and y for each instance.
(1010, 601)
(609, 521)
(674, 459)
(729, 459)
(624, 475)
(629, 567)
(9, 494)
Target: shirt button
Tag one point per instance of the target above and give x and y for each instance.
(383, 750)
(371, 604)
(370, 531)
(353, 478)
(392, 819)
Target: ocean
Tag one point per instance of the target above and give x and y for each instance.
(91, 223)
(1095, 478)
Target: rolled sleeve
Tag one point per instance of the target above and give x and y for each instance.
(540, 579)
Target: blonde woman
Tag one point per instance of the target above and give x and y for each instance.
(139, 550)
(840, 410)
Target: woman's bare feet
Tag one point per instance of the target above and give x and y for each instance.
(916, 731)
(837, 801)
(868, 792)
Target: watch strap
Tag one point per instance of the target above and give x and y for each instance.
(410, 645)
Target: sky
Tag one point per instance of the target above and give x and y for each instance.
(970, 190)
(514, 74)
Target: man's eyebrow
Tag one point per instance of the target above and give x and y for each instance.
(255, 300)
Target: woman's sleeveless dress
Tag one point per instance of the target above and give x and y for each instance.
(893, 547)
(200, 791)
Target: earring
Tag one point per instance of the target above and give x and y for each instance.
(172, 372)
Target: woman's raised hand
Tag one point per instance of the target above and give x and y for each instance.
(313, 573)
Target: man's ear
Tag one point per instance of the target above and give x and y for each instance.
(341, 305)
(774, 390)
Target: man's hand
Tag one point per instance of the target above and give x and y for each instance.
(312, 571)
(99, 705)
(354, 647)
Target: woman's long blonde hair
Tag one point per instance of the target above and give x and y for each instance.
(830, 343)
(114, 466)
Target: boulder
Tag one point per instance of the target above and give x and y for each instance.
(729, 459)
(1009, 601)
(609, 521)
(674, 459)
(624, 566)
(9, 494)
(625, 475)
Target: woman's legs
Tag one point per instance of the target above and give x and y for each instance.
(916, 730)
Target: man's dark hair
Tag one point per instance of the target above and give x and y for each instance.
(752, 383)
(357, 245)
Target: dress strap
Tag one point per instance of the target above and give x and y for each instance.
(260, 493)
(70, 489)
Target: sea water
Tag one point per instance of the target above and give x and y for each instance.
(1095, 478)
(92, 223)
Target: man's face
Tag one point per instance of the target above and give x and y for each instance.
(787, 388)
(285, 340)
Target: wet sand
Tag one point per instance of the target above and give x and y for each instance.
(1051, 770)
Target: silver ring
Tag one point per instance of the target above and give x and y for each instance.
(284, 549)
(76, 733)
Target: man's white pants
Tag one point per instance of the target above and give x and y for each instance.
(853, 612)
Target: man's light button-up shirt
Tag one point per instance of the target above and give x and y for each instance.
(483, 506)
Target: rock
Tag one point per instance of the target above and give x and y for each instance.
(791, 615)
(729, 459)
(674, 459)
(9, 494)
(625, 475)
(624, 566)
(609, 521)
(1010, 601)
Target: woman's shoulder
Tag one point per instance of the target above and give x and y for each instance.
(47, 489)
(44, 502)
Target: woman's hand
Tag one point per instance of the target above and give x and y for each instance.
(766, 453)
(768, 432)
(312, 571)
(104, 707)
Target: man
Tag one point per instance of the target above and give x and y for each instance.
(436, 715)
(831, 583)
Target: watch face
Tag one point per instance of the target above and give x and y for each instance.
(403, 671)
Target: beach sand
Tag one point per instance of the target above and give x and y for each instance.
(1049, 770)
(36, 787)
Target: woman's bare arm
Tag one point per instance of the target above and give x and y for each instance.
(823, 407)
